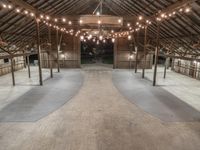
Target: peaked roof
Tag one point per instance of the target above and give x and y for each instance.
(181, 32)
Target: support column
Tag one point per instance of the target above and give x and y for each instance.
(136, 59)
(165, 69)
(57, 45)
(12, 71)
(28, 64)
(156, 54)
(50, 53)
(24, 60)
(38, 50)
(136, 50)
(144, 62)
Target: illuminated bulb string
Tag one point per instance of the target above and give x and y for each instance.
(139, 25)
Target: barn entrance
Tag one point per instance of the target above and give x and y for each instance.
(97, 51)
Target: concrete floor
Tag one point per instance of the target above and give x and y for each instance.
(98, 117)
(183, 87)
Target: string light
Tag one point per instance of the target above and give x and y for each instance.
(70, 23)
(32, 14)
(161, 16)
(18, 10)
(113, 40)
(47, 17)
(187, 10)
(100, 37)
(97, 13)
(140, 17)
(4, 5)
(26, 12)
(63, 19)
(9, 6)
(99, 21)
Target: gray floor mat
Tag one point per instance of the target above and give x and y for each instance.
(42, 100)
(154, 100)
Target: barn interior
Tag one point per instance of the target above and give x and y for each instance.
(99, 74)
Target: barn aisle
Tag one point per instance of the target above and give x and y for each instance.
(98, 117)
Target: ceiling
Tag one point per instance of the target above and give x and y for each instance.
(180, 32)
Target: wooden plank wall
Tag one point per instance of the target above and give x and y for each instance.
(5, 68)
(69, 57)
(122, 50)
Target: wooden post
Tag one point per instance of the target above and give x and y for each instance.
(136, 50)
(57, 45)
(24, 60)
(28, 63)
(145, 42)
(165, 69)
(38, 50)
(50, 53)
(136, 59)
(156, 54)
(12, 70)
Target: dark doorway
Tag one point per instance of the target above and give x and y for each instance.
(97, 52)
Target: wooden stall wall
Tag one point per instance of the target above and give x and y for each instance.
(69, 54)
(122, 52)
(186, 67)
(5, 66)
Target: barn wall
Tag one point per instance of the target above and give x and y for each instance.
(189, 68)
(5, 68)
(69, 56)
(122, 56)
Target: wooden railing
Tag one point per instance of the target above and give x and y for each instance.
(189, 70)
(6, 68)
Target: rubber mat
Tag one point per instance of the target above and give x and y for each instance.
(154, 100)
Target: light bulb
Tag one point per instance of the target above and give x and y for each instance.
(64, 20)
(97, 13)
